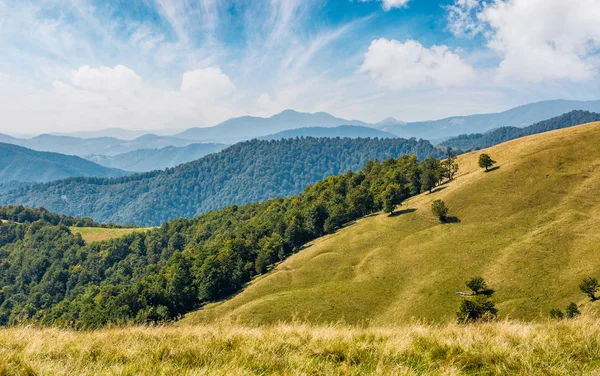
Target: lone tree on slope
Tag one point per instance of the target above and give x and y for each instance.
(479, 286)
(589, 286)
(485, 161)
(439, 209)
(449, 165)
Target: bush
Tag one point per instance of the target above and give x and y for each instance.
(589, 286)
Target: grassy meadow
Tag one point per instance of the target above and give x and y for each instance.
(96, 234)
(529, 227)
(501, 348)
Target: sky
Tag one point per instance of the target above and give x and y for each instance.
(74, 65)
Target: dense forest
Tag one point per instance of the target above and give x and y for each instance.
(246, 172)
(477, 141)
(51, 276)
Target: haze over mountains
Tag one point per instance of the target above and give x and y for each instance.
(20, 164)
(295, 124)
(143, 160)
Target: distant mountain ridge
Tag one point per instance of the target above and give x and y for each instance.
(245, 172)
(516, 117)
(143, 160)
(102, 145)
(19, 164)
(503, 134)
(248, 127)
(350, 131)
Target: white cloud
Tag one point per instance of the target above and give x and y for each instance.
(390, 4)
(462, 18)
(96, 98)
(538, 40)
(108, 79)
(207, 84)
(398, 65)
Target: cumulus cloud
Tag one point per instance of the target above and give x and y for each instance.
(538, 40)
(207, 84)
(397, 65)
(105, 78)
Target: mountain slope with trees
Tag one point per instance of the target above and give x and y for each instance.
(20, 164)
(503, 134)
(49, 275)
(245, 172)
(528, 227)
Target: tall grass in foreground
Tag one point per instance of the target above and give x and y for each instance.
(551, 348)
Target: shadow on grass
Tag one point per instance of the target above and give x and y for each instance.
(401, 212)
(441, 188)
(450, 220)
(493, 169)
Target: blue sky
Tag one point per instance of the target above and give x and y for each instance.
(153, 64)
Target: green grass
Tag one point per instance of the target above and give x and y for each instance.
(502, 348)
(96, 234)
(530, 228)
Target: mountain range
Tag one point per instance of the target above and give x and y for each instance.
(517, 117)
(503, 134)
(245, 172)
(248, 127)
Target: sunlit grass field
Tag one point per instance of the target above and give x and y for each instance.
(95, 234)
(502, 348)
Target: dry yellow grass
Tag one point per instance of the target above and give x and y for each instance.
(530, 228)
(504, 348)
(96, 234)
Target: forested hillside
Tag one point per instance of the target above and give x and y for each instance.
(246, 172)
(479, 141)
(20, 164)
(50, 276)
(351, 131)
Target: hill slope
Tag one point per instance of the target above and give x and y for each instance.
(24, 165)
(245, 172)
(503, 134)
(350, 131)
(530, 228)
(521, 116)
(143, 160)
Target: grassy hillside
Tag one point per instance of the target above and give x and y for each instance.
(95, 234)
(550, 348)
(530, 228)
